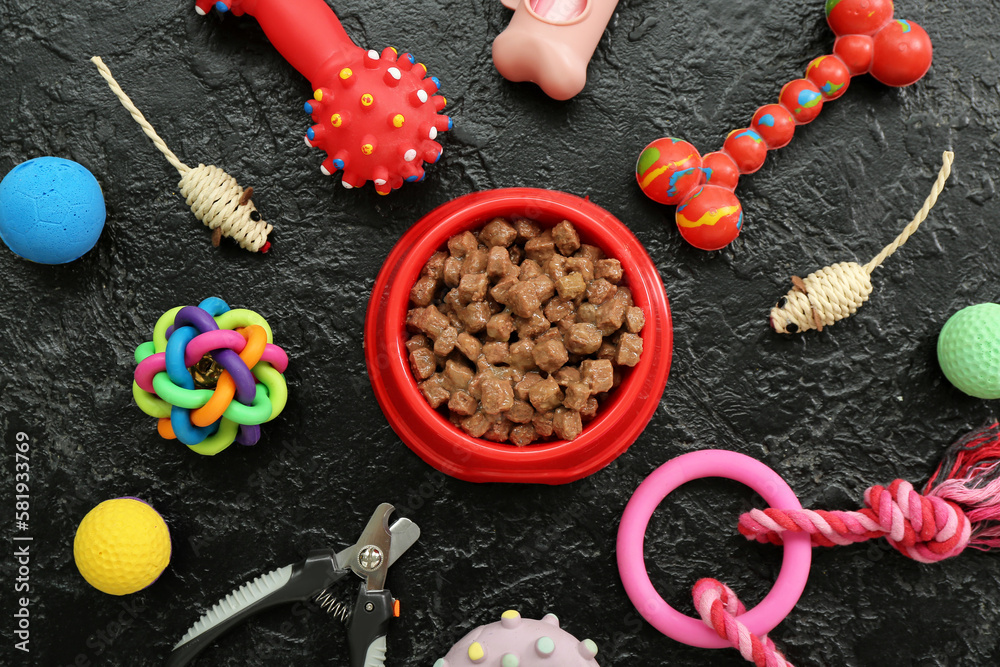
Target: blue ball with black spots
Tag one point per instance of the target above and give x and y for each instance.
(51, 210)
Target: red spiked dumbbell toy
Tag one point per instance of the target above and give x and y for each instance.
(376, 114)
(869, 41)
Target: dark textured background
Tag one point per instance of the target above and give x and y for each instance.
(861, 403)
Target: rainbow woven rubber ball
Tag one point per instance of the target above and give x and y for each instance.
(211, 376)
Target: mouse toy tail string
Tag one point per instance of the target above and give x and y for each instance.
(837, 291)
(214, 196)
(959, 507)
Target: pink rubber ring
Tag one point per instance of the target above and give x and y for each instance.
(632, 534)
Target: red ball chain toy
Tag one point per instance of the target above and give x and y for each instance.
(869, 41)
(376, 114)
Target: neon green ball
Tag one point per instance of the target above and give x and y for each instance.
(969, 350)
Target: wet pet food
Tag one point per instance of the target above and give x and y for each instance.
(518, 332)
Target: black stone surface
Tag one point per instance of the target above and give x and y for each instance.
(863, 402)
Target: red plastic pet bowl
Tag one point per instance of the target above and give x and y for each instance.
(620, 419)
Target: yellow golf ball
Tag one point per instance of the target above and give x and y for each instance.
(121, 546)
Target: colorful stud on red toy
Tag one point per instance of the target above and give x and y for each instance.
(869, 41)
(376, 114)
(211, 375)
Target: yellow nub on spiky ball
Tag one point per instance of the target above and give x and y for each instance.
(336, 119)
(318, 95)
(346, 73)
(367, 99)
(367, 149)
(398, 120)
(121, 546)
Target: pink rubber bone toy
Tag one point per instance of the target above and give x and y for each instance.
(551, 42)
(376, 114)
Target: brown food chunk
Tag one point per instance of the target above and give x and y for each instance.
(609, 269)
(434, 268)
(567, 374)
(626, 295)
(607, 351)
(540, 248)
(530, 327)
(611, 313)
(476, 316)
(629, 350)
(529, 269)
(458, 375)
(522, 389)
(598, 374)
(498, 233)
(564, 326)
(526, 229)
(523, 435)
(496, 352)
(500, 326)
(543, 423)
(498, 263)
(521, 412)
(435, 390)
(501, 291)
(583, 338)
(472, 287)
(587, 312)
(591, 252)
(445, 343)
(571, 286)
(499, 431)
(556, 267)
(469, 346)
(432, 322)
(462, 403)
(567, 423)
(452, 273)
(559, 309)
(552, 334)
(497, 395)
(521, 356)
(590, 410)
(545, 395)
(462, 244)
(516, 255)
(422, 293)
(581, 265)
(475, 261)
(600, 290)
(423, 363)
(477, 424)
(565, 237)
(418, 341)
(577, 395)
(544, 286)
(635, 319)
(550, 355)
(523, 299)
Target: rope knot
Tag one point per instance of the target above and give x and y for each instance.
(925, 528)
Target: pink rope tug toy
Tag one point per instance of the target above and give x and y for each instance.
(376, 114)
(959, 507)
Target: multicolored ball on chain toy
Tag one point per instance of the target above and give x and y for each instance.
(869, 41)
(376, 114)
(201, 358)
